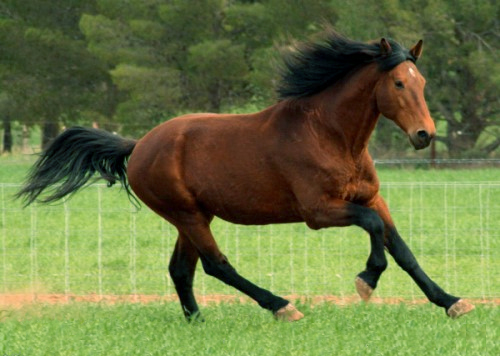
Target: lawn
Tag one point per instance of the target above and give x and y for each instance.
(97, 243)
(234, 329)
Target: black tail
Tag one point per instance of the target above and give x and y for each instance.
(72, 159)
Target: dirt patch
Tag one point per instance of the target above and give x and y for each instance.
(22, 299)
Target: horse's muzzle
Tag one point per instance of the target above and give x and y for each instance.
(421, 139)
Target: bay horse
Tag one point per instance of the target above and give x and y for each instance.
(303, 159)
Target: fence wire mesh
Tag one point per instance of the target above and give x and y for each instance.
(98, 243)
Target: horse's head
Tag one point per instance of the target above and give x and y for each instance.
(400, 97)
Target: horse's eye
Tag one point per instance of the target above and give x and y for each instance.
(399, 84)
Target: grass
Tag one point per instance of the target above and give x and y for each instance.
(233, 329)
(97, 243)
(14, 170)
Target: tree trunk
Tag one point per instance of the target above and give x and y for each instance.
(215, 98)
(7, 135)
(49, 131)
(25, 146)
(462, 137)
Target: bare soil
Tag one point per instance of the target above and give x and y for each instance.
(17, 300)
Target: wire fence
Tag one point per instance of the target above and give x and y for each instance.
(439, 162)
(98, 243)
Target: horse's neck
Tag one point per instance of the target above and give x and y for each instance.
(349, 109)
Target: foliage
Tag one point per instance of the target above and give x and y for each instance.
(464, 70)
(130, 65)
(460, 62)
(45, 67)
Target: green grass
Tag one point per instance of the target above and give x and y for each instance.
(97, 243)
(14, 168)
(234, 329)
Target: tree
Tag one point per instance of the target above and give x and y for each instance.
(166, 57)
(264, 28)
(145, 46)
(460, 63)
(217, 72)
(5, 109)
(47, 69)
(464, 71)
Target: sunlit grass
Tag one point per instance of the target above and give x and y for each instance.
(245, 329)
(97, 242)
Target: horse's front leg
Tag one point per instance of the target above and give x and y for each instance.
(343, 213)
(403, 256)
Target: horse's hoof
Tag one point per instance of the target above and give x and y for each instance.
(364, 290)
(288, 313)
(194, 317)
(459, 308)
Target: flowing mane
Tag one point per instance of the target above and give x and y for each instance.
(312, 67)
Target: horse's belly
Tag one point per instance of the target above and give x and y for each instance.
(255, 218)
(249, 207)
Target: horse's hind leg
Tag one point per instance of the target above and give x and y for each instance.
(182, 267)
(215, 264)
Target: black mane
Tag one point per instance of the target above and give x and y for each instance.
(311, 68)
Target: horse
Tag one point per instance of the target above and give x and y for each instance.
(303, 159)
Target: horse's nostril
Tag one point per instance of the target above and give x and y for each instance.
(422, 134)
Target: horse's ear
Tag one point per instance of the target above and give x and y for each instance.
(416, 51)
(385, 47)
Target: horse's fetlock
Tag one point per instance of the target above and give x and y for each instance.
(380, 266)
